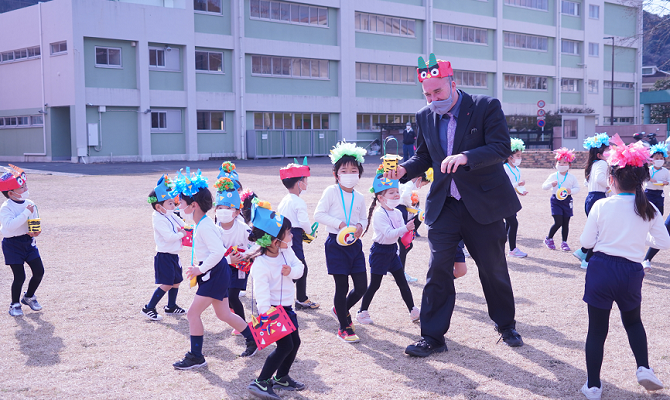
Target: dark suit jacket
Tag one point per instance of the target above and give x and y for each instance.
(482, 135)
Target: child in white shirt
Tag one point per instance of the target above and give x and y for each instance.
(562, 184)
(660, 177)
(514, 174)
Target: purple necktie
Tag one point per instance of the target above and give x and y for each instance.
(451, 131)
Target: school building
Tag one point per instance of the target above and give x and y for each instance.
(146, 80)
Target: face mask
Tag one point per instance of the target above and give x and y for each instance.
(392, 203)
(659, 163)
(517, 162)
(417, 184)
(606, 155)
(562, 168)
(302, 190)
(25, 195)
(442, 106)
(188, 217)
(224, 215)
(349, 180)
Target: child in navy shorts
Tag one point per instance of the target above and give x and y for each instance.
(563, 185)
(18, 243)
(617, 229)
(660, 177)
(168, 232)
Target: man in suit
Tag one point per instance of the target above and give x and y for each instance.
(464, 138)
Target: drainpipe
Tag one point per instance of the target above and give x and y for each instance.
(241, 83)
(43, 112)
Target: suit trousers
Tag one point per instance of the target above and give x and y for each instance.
(486, 244)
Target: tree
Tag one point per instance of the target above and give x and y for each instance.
(656, 49)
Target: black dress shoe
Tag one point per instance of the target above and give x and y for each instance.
(424, 349)
(510, 336)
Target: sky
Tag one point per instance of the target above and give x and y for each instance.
(660, 7)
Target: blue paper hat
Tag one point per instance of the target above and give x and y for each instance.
(659, 148)
(263, 218)
(597, 141)
(189, 184)
(165, 189)
(228, 170)
(226, 193)
(381, 183)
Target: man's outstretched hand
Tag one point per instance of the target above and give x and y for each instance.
(395, 173)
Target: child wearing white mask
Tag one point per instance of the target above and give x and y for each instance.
(563, 185)
(342, 210)
(384, 255)
(514, 174)
(233, 233)
(659, 179)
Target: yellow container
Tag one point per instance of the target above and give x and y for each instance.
(390, 162)
(34, 225)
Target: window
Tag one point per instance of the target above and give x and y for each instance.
(211, 61)
(34, 51)
(528, 42)
(593, 86)
(166, 121)
(470, 79)
(20, 54)
(23, 121)
(384, 25)
(159, 120)
(210, 6)
(282, 121)
(569, 128)
(594, 11)
(385, 73)
(619, 85)
(58, 48)
(525, 82)
(370, 122)
(569, 47)
(108, 57)
(619, 120)
(290, 67)
(535, 4)
(569, 85)
(36, 120)
(570, 8)
(457, 33)
(210, 121)
(279, 11)
(156, 58)
(594, 49)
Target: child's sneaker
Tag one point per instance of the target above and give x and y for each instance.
(415, 314)
(306, 305)
(517, 253)
(410, 278)
(176, 310)
(584, 264)
(31, 302)
(581, 256)
(349, 321)
(251, 349)
(151, 313)
(348, 335)
(15, 310)
(364, 317)
(263, 389)
(549, 243)
(286, 383)
(190, 361)
(592, 393)
(235, 333)
(646, 265)
(647, 378)
(565, 247)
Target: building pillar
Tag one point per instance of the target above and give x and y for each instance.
(647, 114)
(144, 118)
(347, 70)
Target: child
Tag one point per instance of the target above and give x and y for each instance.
(168, 231)
(342, 207)
(229, 170)
(274, 271)
(654, 191)
(514, 174)
(561, 210)
(294, 177)
(597, 173)
(617, 229)
(233, 233)
(18, 243)
(406, 194)
(213, 273)
(389, 227)
(246, 197)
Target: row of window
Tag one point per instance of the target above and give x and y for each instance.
(20, 54)
(280, 121)
(24, 121)
(619, 85)
(289, 12)
(289, 67)
(385, 73)
(384, 25)
(521, 41)
(170, 121)
(525, 82)
(457, 33)
(368, 122)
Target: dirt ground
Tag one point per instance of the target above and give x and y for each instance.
(90, 341)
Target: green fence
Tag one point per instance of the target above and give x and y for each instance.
(269, 143)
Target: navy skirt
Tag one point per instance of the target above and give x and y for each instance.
(610, 279)
(561, 207)
(591, 199)
(20, 249)
(656, 198)
(384, 258)
(297, 243)
(235, 281)
(215, 282)
(344, 260)
(167, 269)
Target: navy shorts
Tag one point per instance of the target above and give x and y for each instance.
(460, 256)
(297, 243)
(235, 281)
(610, 279)
(215, 282)
(591, 199)
(561, 207)
(19, 249)
(344, 260)
(384, 258)
(656, 198)
(167, 269)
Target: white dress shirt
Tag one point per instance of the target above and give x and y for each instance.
(570, 182)
(270, 286)
(166, 232)
(388, 225)
(329, 211)
(295, 209)
(14, 217)
(600, 171)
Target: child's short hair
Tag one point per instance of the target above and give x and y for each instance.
(153, 200)
(347, 160)
(257, 233)
(5, 193)
(203, 198)
(289, 183)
